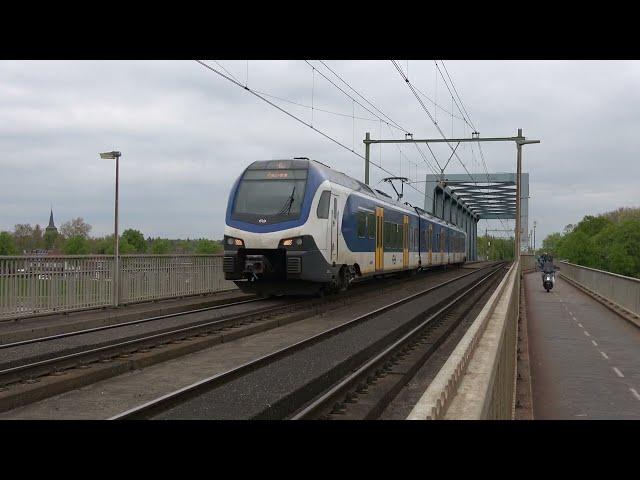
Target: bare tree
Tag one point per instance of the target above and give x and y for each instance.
(23, 236)
(75, 228)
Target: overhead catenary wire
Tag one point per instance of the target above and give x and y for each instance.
(245, 87)
(351, 97)
(461, 108)
(398, 126)
(339, 77)
(457, 94)
(313, 106)
(402, 74)
(451, 93)
(364, 98)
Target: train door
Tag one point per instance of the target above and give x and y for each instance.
(430, 244)
(379, 239)
(334, 229)
(405, 242)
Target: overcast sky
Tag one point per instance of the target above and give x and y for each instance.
(186, 134)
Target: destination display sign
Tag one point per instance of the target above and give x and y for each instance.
(275, 175)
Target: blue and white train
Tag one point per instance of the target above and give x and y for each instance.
(298, 226)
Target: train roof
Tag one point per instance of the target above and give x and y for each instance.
(344, 180)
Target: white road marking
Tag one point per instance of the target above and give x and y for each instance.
(604, 355)
(635, 393)
(587, 333)
(618, 372)
(580, 325)
(594, 343)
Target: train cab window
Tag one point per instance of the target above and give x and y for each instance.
(371, 225)
(362, 225)
(323, 205)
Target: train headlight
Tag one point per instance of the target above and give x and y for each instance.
(290, 242)
(235, 241)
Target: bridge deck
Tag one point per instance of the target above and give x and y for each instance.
(585, 359)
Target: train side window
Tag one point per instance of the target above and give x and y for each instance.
(362, 225)
(371, 225)
(323, 205)
(387, 234)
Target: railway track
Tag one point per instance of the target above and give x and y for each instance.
(363, 394)
(198, 334)
(261, 392)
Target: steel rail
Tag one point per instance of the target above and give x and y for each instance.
(142, 340)
(169, 333)
(350, 381)
(184, 394)
(124, 324)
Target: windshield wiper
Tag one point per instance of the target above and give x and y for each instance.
(286, 208)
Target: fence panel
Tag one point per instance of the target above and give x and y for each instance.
(152, 277)
(33, 285)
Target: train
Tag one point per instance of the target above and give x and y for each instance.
(297, 226)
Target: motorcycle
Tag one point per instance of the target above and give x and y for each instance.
(549, 278)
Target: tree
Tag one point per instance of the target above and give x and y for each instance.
(49, 239)
(76, 245)
(205, 246)
(552, 243)
(74, 228)
(7, 244)
(135, 238)
(37, 240)
(23, 236)
(160, 246)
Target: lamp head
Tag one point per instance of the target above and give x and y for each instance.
(110, 155)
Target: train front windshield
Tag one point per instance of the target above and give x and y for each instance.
(271, 195)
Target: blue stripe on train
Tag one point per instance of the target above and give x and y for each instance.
(356, 203)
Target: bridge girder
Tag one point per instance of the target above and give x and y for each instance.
(463, 201)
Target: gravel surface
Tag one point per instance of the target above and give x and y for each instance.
(22, 354)
(265, 393)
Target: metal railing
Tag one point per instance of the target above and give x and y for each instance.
(621, 290)
(33, 285)
(478, 379)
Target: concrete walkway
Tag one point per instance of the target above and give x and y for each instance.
(585, 359)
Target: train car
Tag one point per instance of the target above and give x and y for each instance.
(298, 226)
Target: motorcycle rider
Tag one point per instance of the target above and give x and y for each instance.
(547, 266)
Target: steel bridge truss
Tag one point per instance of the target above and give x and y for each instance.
(463, 201)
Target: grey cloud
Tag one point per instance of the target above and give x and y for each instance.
(186, 134)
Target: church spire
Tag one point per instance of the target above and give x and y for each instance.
(51, 225)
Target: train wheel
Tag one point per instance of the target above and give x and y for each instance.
(345, 279)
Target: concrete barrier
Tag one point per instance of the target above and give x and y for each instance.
(528, 262)
(621, 292)
(478, 379)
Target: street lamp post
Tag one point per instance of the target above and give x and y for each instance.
(116, 267)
